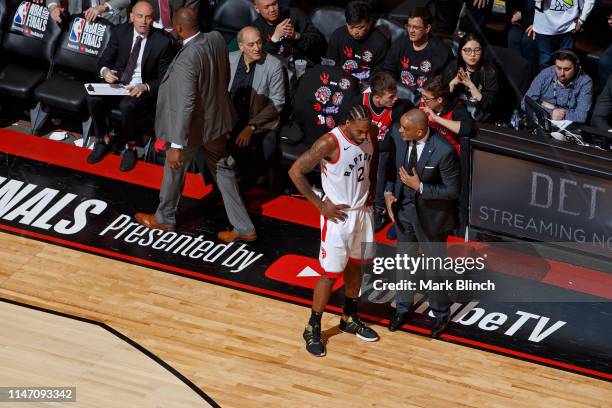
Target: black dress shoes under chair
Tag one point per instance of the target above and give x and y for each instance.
(440, 325)
(101, 150)
(128, 160)
(398, 320)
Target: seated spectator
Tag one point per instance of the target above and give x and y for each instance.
(472, 79)
(114, 11)
(445, 115)
(323, 97)
(164, 10)
(125, 61)
(564, 89)
(357, 47)
(381, 99)
(288, 32)
(414, 59)
(521, 36)
(257, 89)
(602, 114)
(556, 24)
(604, 64)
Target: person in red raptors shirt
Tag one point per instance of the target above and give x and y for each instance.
(449, 118)
(381, 99)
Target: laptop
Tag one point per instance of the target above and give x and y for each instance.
(537, 117)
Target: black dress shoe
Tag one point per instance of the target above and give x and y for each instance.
(398, 320)
(100, 150)
(440, 324)
(128, 161)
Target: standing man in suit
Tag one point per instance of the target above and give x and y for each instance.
(165, 9)
(422, 201)
(257, 89)
(137, 55)
(193, 112)
(114, 11)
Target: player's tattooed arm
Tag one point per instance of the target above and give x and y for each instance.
(325, 148)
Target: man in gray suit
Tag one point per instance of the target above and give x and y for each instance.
(257, 89)
(194, 112)
(114, 11)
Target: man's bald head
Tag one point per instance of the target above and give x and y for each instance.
(413, 125)
(142, 16)
(185, 23)
(247, 31)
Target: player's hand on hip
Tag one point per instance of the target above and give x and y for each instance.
(333, 212)
(389, 200)
(175, 158)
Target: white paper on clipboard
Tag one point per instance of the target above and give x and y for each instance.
(106, 89)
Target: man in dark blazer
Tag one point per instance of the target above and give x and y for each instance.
(422, 201)
(194, 112)
(137, 55)
(164, 10)
(257, 89)
(602, 113)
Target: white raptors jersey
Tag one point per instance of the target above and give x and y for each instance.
(347, 181)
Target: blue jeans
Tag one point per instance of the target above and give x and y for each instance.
(604, 66)
(519, 40)
(548, 44)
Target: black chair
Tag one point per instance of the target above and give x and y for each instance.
(29, 51)
(391, 29)
(328, 19)
(75, 64)
(231, 16)
(514, 80)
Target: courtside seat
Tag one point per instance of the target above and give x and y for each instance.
(75, 64)
(231, 16)
(328, 19)
(29, 50)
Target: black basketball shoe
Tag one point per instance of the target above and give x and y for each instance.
(352, 324)
(312, 337)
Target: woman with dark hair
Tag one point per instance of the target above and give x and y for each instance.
(472, 79)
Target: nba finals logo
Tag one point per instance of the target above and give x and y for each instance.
(77, 30)
(22, 13)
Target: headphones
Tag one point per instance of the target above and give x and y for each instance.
(568, 52)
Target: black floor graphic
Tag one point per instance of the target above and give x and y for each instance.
(93, 213)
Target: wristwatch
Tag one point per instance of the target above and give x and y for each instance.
(253, 127)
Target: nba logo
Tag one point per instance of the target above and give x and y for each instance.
(77, 30)
(22, 13)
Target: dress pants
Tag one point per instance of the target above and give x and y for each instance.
(221, 166)
(134, 112)
(409, 237)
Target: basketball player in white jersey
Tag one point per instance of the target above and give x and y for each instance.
(348, 156)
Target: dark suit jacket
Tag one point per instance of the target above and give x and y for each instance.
(193, 105)
(439, 171)
(156, 57)
(602, 114)
(175, 5)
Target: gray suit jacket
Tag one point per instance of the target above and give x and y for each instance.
(117, 15)
(268, 92)
(193, 105)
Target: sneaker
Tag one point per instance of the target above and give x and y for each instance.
(392, 233)
(312, 337)
(352, 324)
(99, 151)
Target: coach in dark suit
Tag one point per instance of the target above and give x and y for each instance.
(422, 201)
(137, 55)
(193, 112)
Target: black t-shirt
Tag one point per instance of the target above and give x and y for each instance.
(323, 97)
(412, 68)
(358, 58)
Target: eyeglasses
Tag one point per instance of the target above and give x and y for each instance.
(426, 99)
(472, 51)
